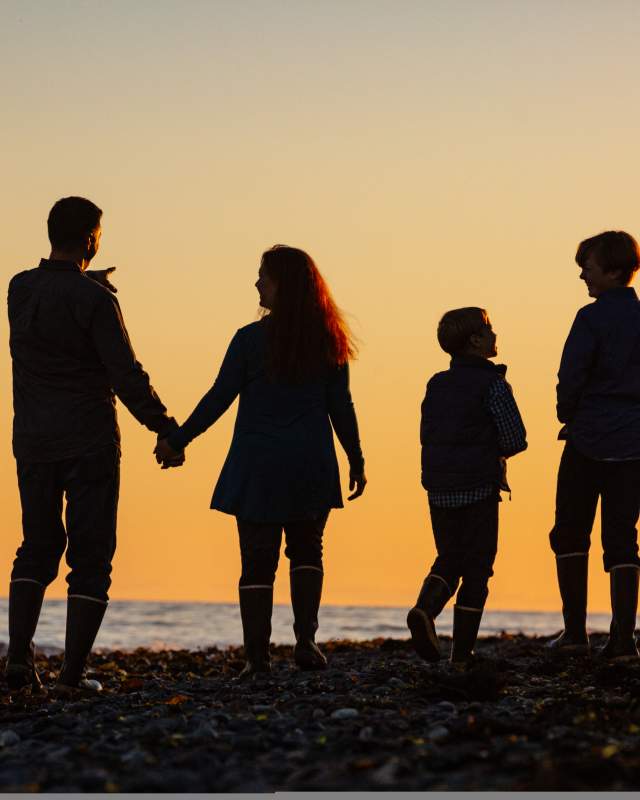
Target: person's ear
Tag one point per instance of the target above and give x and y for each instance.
(618, 274)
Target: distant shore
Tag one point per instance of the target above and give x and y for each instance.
(377, 719)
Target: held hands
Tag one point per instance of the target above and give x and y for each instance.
(358, 481)
(167, 456)
(101, 276)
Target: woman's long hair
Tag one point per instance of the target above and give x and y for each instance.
(307, 331)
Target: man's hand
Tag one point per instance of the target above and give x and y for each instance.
(167, 456)
(101, 276)
(358, 481)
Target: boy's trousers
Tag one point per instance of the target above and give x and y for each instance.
(581, 481)
(467, 541)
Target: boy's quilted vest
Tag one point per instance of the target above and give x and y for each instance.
(458, 435)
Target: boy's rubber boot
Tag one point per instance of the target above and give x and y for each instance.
(466, 624)
(256, 607)
(624, 603)
(25, 603)
(306, 593)
(84, 617)
(432, 599)
(572, 572)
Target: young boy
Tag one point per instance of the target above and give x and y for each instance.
(470, 426)
(599, 403)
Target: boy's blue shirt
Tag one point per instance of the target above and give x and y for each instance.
(598, 392)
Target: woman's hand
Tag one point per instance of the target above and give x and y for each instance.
(167, 456)
(358, 481)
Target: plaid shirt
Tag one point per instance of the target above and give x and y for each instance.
(511, 440)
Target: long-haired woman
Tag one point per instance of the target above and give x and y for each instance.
(291, 370)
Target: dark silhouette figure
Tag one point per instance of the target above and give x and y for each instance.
(470, 426)
(598, 397)
(71, 355)
(292, 374)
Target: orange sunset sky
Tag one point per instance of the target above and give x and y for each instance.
(427, 154)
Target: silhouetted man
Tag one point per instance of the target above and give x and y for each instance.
(71, 356)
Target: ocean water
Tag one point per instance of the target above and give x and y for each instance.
(157, 625)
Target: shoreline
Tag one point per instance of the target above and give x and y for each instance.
(378, 718)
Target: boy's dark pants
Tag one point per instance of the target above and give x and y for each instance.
(91, 484)
(581, 481)
(466, 541)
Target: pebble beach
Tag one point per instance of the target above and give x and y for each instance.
(378, 718)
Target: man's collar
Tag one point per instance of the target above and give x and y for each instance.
(69, 266)
(477, 362)
(618, 293)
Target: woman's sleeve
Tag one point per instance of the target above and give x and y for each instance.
(343, 417)
(217, 400)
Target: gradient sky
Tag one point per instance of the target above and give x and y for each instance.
(429, 155)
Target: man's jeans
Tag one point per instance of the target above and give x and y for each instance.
(91, 484)
(581, 481)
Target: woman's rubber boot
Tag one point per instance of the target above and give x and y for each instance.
(84, 617)
(466, 624)
(624, 604)
(306, 592)
(432, 599)
(256, 607)
(572, 572)
(25, 603)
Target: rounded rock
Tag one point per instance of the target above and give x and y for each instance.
(345, 713)
(8, 738)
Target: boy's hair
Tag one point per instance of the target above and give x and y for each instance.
(458, 326)
(71, 220)
(613, 250)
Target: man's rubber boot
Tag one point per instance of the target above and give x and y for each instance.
(25, 603)
(84, 617)
(624, 604)
(466, 623)
(572, 572)
(256, 606)
(306, 592)
(432, 599)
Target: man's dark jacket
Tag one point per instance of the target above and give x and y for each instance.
(71, 355)
(458, 434)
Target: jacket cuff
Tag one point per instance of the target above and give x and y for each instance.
(169, 426)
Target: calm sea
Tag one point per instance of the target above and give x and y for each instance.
(131, 624)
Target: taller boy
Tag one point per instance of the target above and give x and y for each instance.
(71, 356)
(599, 401)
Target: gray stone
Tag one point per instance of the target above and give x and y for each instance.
(366, 734)
(345, 713)
(438, 734)
(8, 738)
